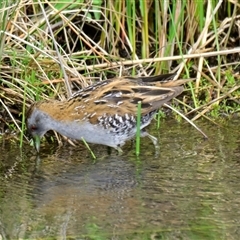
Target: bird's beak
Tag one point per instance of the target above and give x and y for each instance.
(36, 140)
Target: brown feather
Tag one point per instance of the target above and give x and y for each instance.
(115, 96)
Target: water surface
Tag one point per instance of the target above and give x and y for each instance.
(190, 191)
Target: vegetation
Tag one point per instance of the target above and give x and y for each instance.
(50, 50)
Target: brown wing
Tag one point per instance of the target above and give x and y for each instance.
(120, 96)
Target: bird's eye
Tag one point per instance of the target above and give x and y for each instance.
(33, 127)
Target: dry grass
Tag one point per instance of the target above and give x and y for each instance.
(53, 50)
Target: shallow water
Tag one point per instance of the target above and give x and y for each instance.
(190, 191)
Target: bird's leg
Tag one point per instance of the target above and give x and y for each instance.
(153, 139)
(120, 151)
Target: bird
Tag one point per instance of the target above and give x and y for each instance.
(106, 112)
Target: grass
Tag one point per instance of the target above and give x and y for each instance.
(138, 134)
(51, 50)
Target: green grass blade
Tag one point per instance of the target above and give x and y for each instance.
(138, 134)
